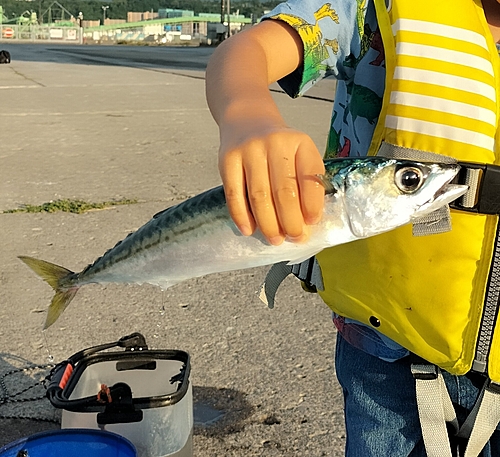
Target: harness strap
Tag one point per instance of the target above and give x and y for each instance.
(483, 195)
(435, 409)
(483, 419)
(439, 221)
(391, 151)
(472, 177)
(437, 414)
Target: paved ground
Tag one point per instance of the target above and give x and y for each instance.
(105, 123)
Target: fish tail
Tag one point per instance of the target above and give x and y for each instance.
(54, 275)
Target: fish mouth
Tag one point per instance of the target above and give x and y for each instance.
(448, 193)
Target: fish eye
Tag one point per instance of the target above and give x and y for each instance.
(409, 179)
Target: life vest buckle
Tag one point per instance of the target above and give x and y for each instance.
(493, 386)
(483, 196)
(424, 371)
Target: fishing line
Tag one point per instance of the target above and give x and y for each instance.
(47, 347)
(162, 313)
(162, 309)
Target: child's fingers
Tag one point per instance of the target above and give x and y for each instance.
(285, 193)
(233, 178)
(309, 163)
(261, 201)
(271, 183)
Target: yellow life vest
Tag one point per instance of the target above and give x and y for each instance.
(428, 293)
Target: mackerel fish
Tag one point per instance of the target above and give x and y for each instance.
(363, 197)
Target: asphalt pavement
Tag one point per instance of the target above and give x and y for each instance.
(104, 123)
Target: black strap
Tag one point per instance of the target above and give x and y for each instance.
(304, 272)
(487, 197)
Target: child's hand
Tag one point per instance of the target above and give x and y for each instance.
(268, 170)
(270, 181)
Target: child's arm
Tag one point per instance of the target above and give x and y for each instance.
(267, 168)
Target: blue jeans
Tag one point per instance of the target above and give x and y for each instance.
(381, 409)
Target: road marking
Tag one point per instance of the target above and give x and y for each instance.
(110, 113)
(19, 87)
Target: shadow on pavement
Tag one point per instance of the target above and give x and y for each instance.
(169, 57)
(219, 412)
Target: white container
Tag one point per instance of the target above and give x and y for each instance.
(151, 398)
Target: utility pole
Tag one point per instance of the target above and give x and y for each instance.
(228, 18)
(104, 8)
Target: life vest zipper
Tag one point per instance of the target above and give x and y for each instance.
(490, 311)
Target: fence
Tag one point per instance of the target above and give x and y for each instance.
(30, 32)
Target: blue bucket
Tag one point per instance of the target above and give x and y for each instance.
(67, 442)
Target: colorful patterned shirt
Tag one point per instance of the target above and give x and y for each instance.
(342, 39)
